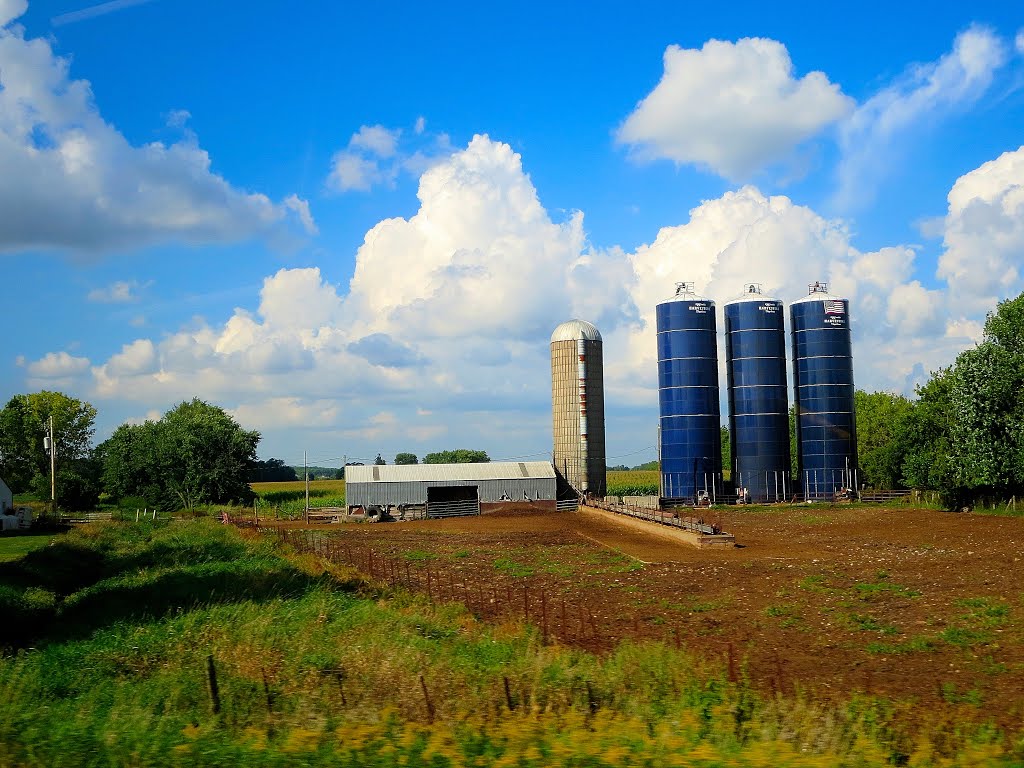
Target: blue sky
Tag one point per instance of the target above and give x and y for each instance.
(355, 227)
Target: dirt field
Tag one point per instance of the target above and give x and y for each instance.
(912, 604)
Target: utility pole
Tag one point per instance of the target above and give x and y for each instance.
(305, 471)
(48, 444)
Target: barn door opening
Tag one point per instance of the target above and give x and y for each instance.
(449, 500)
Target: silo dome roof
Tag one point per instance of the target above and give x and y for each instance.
(685, 292)
(751, 292)
(818, 292)
(574, 330)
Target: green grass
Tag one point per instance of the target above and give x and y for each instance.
(970, 630)
(789, 615)
(814, 583)
(117, 624)
(985, 611)
(513, 568)
(919, 644)
(881, 586)
(964, 637)
(870, 624)
(693, 605)
(15, 546)
(951, 695)
(420, 555)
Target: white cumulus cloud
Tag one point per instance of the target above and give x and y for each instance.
(376, 140)
(731, 107)
(58, 365)
(138, 357)
(984, 233)
(72, 181)
(11, 10)
(278, 412)
(481, 257)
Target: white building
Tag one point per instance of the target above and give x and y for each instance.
(6, 498)
(452, 489)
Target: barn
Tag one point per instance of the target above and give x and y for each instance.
(451, 489)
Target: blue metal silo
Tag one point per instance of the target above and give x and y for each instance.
(689, 437)
(755, 355)
(826, 426)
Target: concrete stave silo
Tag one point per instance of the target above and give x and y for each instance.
(826, 427)
(689, 431)
(755, 354)
(577, 407)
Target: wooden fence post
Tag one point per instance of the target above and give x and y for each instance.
(211, 675)
(426, 698)
(544, 617)
(508, 695)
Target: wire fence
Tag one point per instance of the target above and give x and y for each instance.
(557, 616)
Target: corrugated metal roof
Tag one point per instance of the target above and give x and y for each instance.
(416, 473)
(576, 329)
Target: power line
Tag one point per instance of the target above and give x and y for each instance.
(632, 453)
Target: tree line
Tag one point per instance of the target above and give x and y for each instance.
(457, 456)
(964, 433)
(195, 453)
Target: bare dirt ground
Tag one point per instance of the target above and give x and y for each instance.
(906, 603)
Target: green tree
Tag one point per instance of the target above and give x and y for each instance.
(458, 456)
(406, 458)
(985, 410)
(987, 429)
(1005, 326)
(18, 449)
(272, 471)
(726, 450)
(196, 453)
(881, 418)
(965, 434)
(924, 437)
(25, 463)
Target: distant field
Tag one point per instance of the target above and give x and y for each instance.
(619, 484)
(17, 546)
(331, 486)
(637, 481)
(634, 482)
(634, 476)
